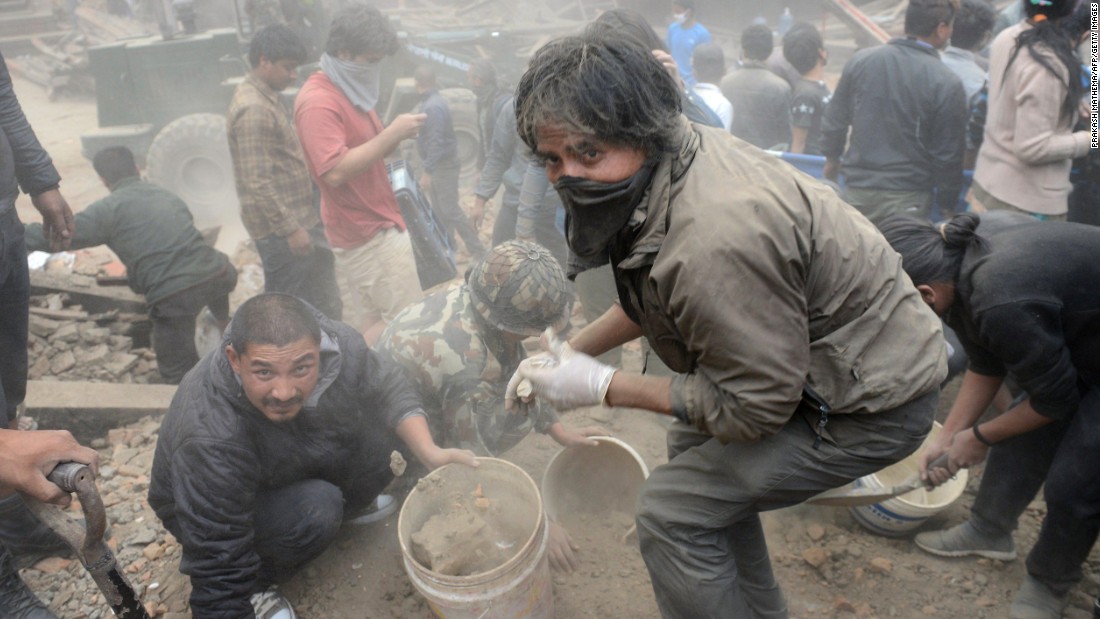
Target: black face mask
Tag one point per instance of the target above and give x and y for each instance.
(595, 212)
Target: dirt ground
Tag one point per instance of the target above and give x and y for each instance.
(829, 566)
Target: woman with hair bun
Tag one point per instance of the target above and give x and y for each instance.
(1036, 87)
(1024, 299)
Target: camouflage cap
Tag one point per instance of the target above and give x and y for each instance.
(518, 287)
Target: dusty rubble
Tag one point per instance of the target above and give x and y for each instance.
(147, 553)
(828, 565)
(71, 344)
(68, 343)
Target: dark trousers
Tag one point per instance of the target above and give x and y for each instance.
(546, 229)
(1084, 203)
(14, 298)
(1063, 455)
(294, 524)
(174, 322)
(311, 278)
(444, 199)
(698, 517)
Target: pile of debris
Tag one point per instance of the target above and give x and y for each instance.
(85, 325)
(81, 330)
(68, 343)
(146, 553)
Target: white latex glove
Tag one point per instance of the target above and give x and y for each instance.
(561, 376)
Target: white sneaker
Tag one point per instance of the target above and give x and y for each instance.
(379, 510)
(271, 604)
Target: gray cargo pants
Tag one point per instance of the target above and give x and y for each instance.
(698, 517)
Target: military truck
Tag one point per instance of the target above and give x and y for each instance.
(165, 96)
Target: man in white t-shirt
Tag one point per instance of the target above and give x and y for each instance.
(709, 65)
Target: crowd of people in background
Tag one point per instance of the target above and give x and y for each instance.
(633, 181)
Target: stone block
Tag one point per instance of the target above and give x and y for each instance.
(94, 356)
(63, 362)
(121, 362)
(43, 327)
(40, 368)
(120, 342)
(94, 336)
(65, 333)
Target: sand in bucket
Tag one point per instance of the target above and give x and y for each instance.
(474, 542)
(473, 534)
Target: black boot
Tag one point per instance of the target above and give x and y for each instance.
(16, 600)
(25, 536)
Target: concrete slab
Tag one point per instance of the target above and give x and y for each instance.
(85, 291)
(89, 410)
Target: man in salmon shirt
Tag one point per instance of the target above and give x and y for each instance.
(345, 145)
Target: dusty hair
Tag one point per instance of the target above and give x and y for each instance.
(276, 42)
(1057, 35)
(602, 84)
(802, 47)
(114, 163)
(632, 24)
(973, 22)
(757, 42)
(932, 253)
(922, 17)
(274, 319)
(361, 29)
(424, 75)
(709, 63)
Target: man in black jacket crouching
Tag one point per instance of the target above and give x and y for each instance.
(269, 443)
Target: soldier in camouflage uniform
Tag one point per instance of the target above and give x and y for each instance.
(462, 344)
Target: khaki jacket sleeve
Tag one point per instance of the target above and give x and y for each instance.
(738, 299)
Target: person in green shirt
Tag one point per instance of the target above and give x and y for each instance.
(151, 231)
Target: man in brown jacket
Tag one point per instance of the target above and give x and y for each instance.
(805, 357)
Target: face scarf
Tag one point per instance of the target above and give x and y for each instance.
(595, 212)
(358, 82)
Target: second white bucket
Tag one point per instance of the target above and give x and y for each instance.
(902, 514)
(600, 478)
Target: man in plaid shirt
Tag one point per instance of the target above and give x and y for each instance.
(273, 182)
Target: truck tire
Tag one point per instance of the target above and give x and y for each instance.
(463, 104)
(190, 157)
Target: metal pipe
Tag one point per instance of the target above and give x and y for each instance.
(88, 544)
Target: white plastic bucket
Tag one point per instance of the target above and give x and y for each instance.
(902, 514)
(519, 588)
(600, 478)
